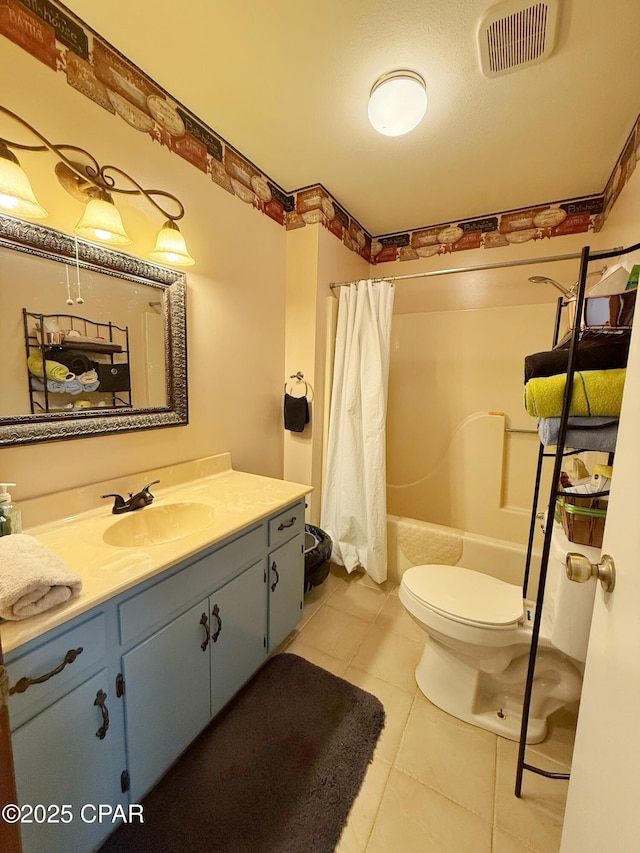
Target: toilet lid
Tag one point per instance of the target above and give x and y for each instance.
(465, 595)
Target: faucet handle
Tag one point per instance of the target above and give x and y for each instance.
(148, 497)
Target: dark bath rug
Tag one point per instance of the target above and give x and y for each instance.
(276, 772)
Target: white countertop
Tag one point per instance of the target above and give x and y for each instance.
(237, 499)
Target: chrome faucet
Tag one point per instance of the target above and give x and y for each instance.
(137, 501)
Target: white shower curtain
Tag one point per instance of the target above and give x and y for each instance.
(354, 503)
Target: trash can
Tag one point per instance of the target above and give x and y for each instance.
(317, 554)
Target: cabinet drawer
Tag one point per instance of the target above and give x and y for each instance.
(151, 608)
(286, 524)
(47, 664)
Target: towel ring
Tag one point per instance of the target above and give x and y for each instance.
(299, 377)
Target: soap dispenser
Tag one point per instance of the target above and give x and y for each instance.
(10, 518)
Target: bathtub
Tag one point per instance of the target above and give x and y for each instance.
(411, 542)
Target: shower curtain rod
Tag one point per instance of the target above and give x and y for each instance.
(479, 267)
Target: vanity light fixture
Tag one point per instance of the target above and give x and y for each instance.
(93, 185)
(102, 221)
(16, 195)
(170, 246)
(398, 102)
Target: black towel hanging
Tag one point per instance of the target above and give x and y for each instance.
(296, 409)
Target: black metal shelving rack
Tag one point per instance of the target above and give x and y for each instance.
(110, 331)
(586, 257)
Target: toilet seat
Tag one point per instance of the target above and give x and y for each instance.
(465, 596)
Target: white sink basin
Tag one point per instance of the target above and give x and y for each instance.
(156, 525)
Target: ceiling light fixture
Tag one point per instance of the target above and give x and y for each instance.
(93, 185)
(398, 102)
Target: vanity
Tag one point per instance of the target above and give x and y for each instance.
(174, 617)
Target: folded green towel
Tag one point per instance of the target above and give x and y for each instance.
(54, 369)
(595, 392)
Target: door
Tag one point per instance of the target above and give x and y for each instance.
(286, 589)
(238, 633)
(67, 756)
(603, 811)
(167, 701)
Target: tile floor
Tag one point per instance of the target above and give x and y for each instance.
(436, 784)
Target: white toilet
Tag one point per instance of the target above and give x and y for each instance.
(474, 665)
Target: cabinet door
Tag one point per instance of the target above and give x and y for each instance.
(238, 633)
(167, 700)
(286, 589)
(59, 761)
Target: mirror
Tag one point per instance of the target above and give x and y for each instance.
(93, 340)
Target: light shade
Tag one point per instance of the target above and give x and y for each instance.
(101, 221)
(170, 247)
(397, 103)
(16, 195)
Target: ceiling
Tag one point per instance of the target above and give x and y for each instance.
(287, 82)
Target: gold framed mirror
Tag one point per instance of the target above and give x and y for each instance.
(94, 340)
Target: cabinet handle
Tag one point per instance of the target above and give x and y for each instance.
(204, 621)
(24, 683)
(100, 702)
(216, 613)
(283, 526)
(274, 569)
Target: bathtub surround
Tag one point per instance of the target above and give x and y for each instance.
(354, 506)
(412, 543)
(448, 460)
(270, 773)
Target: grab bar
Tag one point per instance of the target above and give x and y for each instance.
(516, 429)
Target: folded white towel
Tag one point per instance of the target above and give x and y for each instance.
(32, 578)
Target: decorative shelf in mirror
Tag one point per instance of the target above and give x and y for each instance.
(61, 374)
(138, 353)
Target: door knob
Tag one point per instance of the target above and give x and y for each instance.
(580, 569)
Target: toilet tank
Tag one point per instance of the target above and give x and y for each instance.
(568, 606)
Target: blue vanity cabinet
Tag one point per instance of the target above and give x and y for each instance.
(167, 699)
(161, 659)
(238, 626)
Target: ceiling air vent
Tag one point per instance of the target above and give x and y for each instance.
(516, 33)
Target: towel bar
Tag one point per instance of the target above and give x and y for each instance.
(299, 377)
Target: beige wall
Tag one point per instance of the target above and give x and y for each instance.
(235, 299)
(314, 259)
